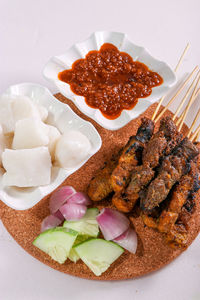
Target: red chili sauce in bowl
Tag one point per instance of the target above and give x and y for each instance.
(110, 80)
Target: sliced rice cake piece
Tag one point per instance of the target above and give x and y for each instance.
(27, 167)
(54, 135)
(43, 112)
(22, 108)
(30, 133)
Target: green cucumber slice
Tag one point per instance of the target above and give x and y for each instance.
(73, 255)
(56, 242)
(98, 254)
(87, 225)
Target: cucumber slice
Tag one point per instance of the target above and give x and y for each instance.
(73, 255)
(87, 225)
(56, 242)
(98, 254)
(81, 238)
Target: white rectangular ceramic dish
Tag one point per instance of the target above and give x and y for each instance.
(64, 61)
(61, 116)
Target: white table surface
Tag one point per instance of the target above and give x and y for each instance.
(30, 33)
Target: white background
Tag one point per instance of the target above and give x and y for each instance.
(30, 33)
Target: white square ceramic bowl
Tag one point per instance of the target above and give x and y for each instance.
(59, 63)
(61, 116)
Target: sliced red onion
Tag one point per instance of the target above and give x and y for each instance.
(59, 215)
(60, 197)
(50, 222)
(128, 240)
(112, 223)
(72, 211)
(79, 198)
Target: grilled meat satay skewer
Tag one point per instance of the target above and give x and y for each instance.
(142, 175)
(177, 236)
(170, 172)
(181, 206)
(187, 184)
(155, 149)
(131, 155)
(101, 186)
(161, 143)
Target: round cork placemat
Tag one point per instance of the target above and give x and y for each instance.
(152, 252)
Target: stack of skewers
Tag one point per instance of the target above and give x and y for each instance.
(157, 172)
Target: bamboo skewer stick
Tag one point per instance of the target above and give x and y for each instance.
(185, 97)
(158, 107)
(197, 131)
(182, 57)
(190, 102)
(193, 123)
(175, 70)
(177, 93)
(197, 137)
(182, 115)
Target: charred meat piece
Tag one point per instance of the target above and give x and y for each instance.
(149, 221)
(171, 170)
(141, 176)
(179, 197)
(125, 201)
(172, 135)
(166, 221)
(185, 213)
(173, 220)
(131, 155)
(177, 237)
(100, 186)
(154, 151)
(122, 203)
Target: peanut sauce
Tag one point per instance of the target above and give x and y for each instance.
(110, 80)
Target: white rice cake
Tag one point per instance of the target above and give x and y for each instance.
(71, 149)
(22, 107)
(27, 167)
(43, 112)
(30, 133)
(17, 107)
(54, 135)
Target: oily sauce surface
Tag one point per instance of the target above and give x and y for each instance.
(110, 80)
